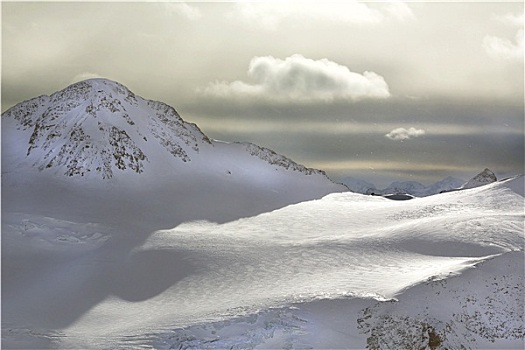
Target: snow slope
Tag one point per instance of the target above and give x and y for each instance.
(204, 284)
(458, 312)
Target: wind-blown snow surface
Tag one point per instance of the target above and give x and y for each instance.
(202, 284)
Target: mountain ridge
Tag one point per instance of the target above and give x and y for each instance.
(99, 126)
(413, 188)
(417, 189)
(483, 178)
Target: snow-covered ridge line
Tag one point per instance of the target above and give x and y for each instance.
(276, 159)
(483, 178)
(413, 188)
(417, 189)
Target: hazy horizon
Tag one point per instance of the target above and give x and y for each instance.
(378, 91)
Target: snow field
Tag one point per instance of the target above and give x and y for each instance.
(342, 246)
(479, 309)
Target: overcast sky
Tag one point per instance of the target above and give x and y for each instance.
(379, 91)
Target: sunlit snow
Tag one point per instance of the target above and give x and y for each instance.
(344, 245)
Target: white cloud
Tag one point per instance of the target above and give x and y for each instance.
(504, 48)
(182, 9)
(297, 78)
(270, 14)
(510, 19)
(399, 10)
(404, 134)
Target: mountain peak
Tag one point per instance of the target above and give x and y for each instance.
(483, 178)
(100, 84)
(96, 90)
(99, 126)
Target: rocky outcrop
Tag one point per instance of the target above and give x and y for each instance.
(484, 178)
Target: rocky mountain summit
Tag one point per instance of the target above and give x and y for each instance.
(483, 178)
(99, 127)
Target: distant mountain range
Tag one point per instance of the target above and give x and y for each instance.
(417, 189)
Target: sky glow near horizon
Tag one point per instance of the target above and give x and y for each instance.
(382, 91)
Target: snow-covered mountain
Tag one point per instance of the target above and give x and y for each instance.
(444, 185)
(97, 134)
(358, 186)
(100, 128)
(481, 179)
(413, 188)
(410, 187)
